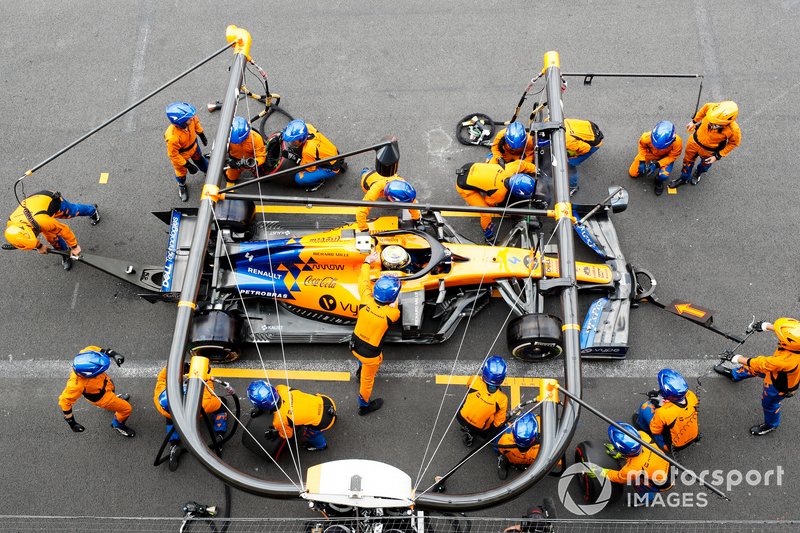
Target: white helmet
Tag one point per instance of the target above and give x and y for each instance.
(395, 257)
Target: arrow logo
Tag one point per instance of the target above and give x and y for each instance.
(687, 309)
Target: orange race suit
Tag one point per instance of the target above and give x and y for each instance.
(673, 425)
(373, 185)
(705, 142)
(252, 147)
(483, 412)
(649, 154)
(484, 184)
(781, 373)
(98, 390)
(314, 412)
(372, 322)
(46, 207)
(516, 456)
(647, 472)
(211, 404)
(500, 149)
(182, 145)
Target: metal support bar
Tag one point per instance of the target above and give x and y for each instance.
(647, 445)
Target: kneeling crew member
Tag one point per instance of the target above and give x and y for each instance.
(43, 208)
(781, 370)
(485, 408)
(670, 415)
(293, 410)
(305, 144)
(648, 472)
(182, 148)
(246, 149)
(212, 406)
(89, 379)
(379, 187)
(490, 185)
(715, 134)
(658, 150)
(519, 444)
(376, 312)
(512, 144)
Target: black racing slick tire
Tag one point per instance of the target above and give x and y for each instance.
(592, 452)
(215, 334)
(236, 215)
(476, 129)
(534, 337)
(278, 119)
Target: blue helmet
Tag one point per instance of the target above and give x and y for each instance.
(622, 442)
(521, 186)
(525, 430)
(515, 136)
(672, 385)
(296, 130)
(494, 371)
(90, 363)
(180, 112)
(386, 289)
(663, 135)
(263, 395)
(239, 130)
(400, 191)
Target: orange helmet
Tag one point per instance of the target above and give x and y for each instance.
(788, 332)
(21, 236)
(723, 113)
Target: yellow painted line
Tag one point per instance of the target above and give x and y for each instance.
(258, 373)
(672, 190)
(329, 210)
(104, 177)
(513, 383)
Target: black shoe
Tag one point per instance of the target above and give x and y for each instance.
(311, 448)
(467, 438)
(66, 262)
(695, 178)
(762, 429)
(723, 370)
(659, 190)
(96, 217)
(373, 405)
(126, 397)
(502, 467)
(123, 430)
(183, 192)
(174, 457)
(677, 182)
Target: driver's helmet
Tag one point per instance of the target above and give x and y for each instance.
(395, 257)
(515, 136)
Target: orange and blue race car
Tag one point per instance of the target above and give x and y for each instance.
(267, 281)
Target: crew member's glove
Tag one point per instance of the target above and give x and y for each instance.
(501, 162)
(642, 168)
(117, 357)
(291, 156)
(190, 167)
(74, 426)
(203, 138)
(650, 394)
(595, 471)
(233, 163)
(761, 325)
(652, 168)
(612, 452)
(271, 434)
(728, 355)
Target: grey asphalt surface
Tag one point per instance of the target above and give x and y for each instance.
(358, 71)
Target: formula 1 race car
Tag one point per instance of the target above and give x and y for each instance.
(297, 281)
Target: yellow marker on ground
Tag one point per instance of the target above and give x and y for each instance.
(258, 373)
(672, 190)
(513, 383)
(104, 177)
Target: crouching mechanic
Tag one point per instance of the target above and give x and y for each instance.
(715, 134)
(88, 378)
(512, 144)
(647, 472)
(490, 185)
(246, 150)
(376, 312)
(305, 144)
(293, 410)
(38, 215)
(212, 406)
(670, 415)
(518, 445)
(391, 187)
(658, 150)
(781, 370)
(182, 148)
(485, 408)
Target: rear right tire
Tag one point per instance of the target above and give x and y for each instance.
(534, 337)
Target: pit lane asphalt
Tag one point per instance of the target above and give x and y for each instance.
(358, 71)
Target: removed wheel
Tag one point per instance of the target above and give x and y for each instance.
(534, 337)
(592, 452)
(215, 334)
(475, 129)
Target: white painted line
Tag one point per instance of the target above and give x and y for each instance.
(18, 368)
(705, 35)
(138, 62)
(75, 296)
